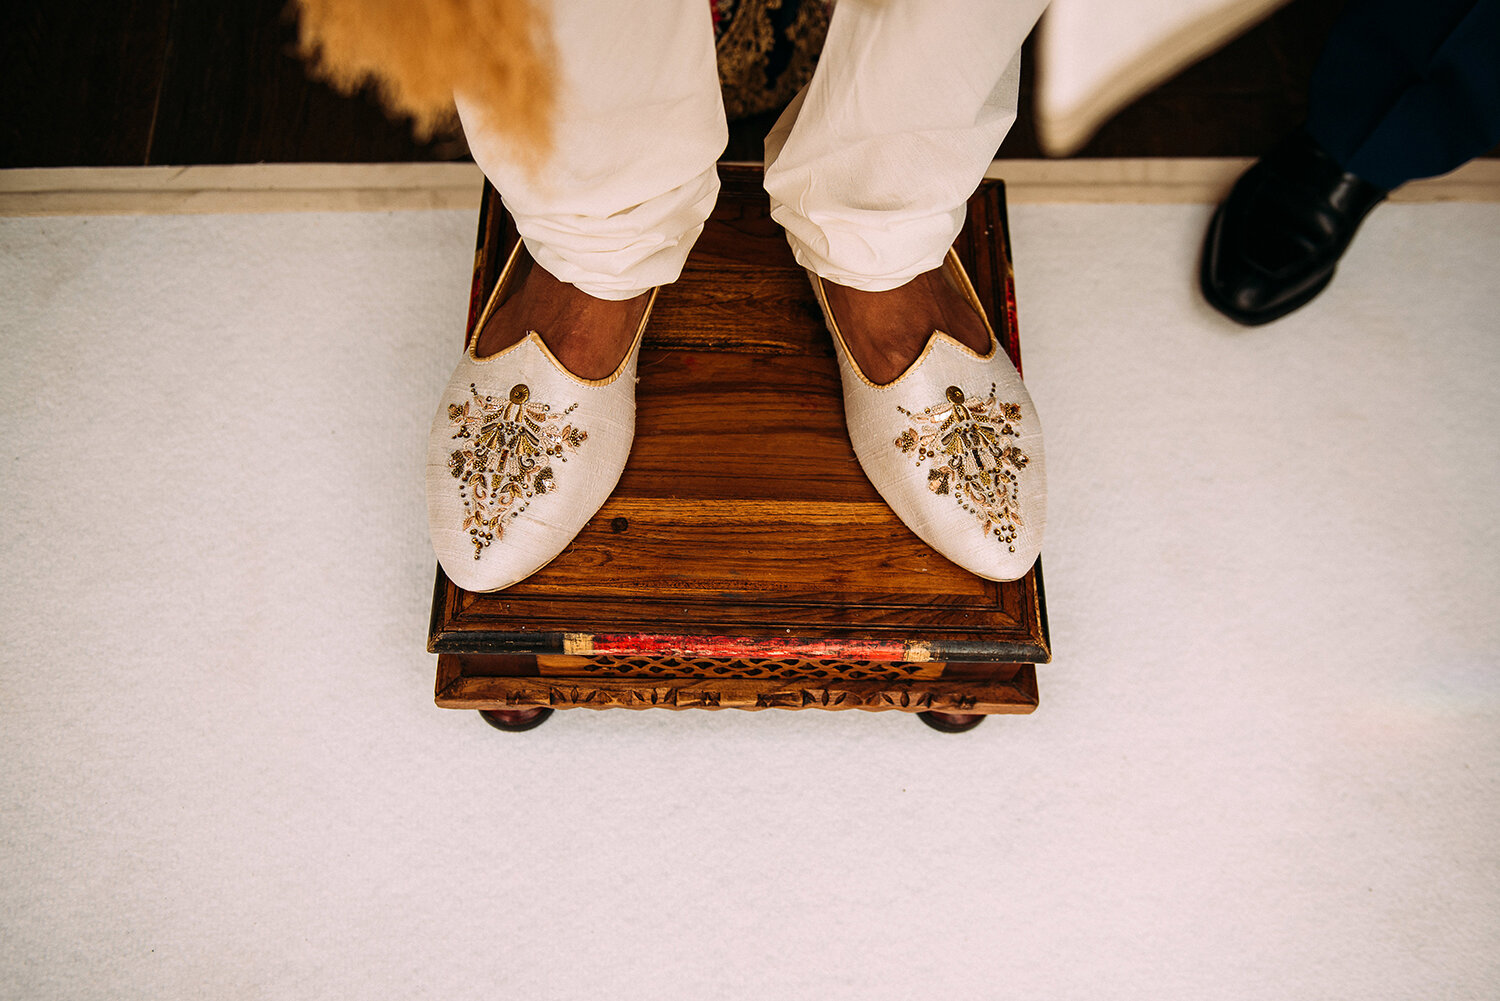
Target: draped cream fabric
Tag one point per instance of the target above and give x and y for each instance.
(1096, 56)
(868, 171)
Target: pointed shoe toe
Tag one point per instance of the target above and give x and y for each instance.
(521, 455)
(954, 446)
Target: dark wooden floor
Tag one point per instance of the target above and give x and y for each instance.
(128, 82)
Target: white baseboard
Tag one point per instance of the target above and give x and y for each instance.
(380, 187)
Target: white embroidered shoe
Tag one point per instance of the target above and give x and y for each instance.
(954, 446)
(522, 454)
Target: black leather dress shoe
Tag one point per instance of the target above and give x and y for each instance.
(1274, 243)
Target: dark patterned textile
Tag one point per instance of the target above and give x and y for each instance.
(767, 50)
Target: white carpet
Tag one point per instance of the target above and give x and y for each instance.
(1266, 764)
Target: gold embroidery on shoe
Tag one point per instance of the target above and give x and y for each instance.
(972, 461)
(506, 458)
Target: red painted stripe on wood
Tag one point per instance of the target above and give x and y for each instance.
(737, 647)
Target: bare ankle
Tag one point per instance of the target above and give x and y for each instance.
(887, 331)
(589, 337)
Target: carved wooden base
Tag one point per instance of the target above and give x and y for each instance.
(497, 682)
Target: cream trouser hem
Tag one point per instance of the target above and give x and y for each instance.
(868, 170)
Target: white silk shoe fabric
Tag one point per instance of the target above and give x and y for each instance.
(953, 445)
(522, 453)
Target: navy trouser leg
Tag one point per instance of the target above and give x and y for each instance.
(1407, 89)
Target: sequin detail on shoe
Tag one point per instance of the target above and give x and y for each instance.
(506, 457)
(972, 461)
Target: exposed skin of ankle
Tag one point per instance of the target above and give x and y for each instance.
(588, 336)
(886, 331)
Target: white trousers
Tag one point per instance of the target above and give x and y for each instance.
(868, 170)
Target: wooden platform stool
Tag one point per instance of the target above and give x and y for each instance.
(744, 561)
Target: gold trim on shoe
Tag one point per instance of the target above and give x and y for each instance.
(955, 269)
(502, 284)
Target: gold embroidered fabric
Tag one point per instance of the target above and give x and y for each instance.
(767, 51)
(506, 457)
(972, 459)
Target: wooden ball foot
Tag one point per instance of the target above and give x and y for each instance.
(516, 720)
(951, 722)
